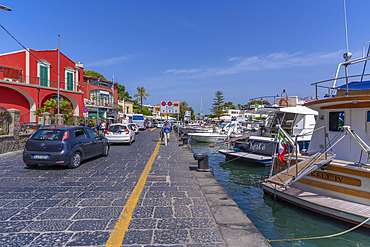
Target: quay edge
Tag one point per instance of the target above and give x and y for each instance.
(235, 227)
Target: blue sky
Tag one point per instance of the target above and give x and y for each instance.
(182, 50)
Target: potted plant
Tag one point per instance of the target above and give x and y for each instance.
(93, 98)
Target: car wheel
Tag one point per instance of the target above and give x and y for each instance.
(105, 150)
(75, 160)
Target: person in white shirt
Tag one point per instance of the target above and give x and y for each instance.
(103, 126)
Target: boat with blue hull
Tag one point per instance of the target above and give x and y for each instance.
(297, 120)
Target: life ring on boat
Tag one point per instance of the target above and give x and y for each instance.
(201, 124)
(281, 101)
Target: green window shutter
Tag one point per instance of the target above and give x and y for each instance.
(69, 81)
(43, 76)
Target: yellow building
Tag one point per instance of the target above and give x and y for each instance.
(157, 110)
(128, 107)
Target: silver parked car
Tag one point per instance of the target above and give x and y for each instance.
(120, 133)
(134, 127)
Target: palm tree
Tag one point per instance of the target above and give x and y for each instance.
(141, 95)
(183, 108)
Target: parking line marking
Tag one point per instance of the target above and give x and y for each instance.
(153, 129)
(121, 226)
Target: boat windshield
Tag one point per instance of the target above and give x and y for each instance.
(222, 126)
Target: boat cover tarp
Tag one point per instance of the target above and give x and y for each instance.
(356, 85)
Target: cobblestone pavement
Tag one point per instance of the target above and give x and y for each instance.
(57, 206)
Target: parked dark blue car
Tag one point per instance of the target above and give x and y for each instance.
(64, 145)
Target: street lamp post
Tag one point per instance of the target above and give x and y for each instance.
(98, 101)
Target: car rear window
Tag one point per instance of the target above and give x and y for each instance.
(117, 128)
(48, 135)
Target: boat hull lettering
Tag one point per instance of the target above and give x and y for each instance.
(335, 178)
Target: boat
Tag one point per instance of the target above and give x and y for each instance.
(208, 137)
(195, 129)
(259, 147)
(223, 132)
(333, 179)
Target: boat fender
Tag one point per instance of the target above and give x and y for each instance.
(281, 101)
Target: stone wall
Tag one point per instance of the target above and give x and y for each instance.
(11, 143)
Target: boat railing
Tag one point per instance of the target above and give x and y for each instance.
(331, 89)
(300, 169)
(287, 137)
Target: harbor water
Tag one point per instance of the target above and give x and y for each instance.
(277, 220)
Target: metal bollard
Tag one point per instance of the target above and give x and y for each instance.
(202, 162)
(185, 140)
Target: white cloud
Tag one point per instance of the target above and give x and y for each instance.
(185, 23)
(109, 61)
(262, 62)
(181, 71)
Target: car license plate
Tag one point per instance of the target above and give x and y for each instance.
(40, 157)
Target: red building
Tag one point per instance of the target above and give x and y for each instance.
(101, 96)
(29, 78)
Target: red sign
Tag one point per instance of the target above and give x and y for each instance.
(169, 103)
(163, 103)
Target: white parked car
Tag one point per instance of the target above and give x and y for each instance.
(120, 133)
(134, 127)
(159, 124)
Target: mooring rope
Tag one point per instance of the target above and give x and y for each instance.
(320, 237)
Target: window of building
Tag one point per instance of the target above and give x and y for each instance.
(43, 72)
(69, 81)
(336, 121)
(44, 77)
(102, 99)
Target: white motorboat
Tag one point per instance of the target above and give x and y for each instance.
(208, 137)
(335, 179)
(297, 120)
(223, 132)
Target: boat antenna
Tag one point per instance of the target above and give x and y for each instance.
(347, 56)
(201, 106)
(345, 23)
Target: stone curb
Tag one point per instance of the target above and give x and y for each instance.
(236, 228)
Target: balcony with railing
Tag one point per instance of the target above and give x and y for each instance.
(19, 78)
(102, 104)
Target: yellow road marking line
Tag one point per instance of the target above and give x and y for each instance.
(121, 226)
(153, 129)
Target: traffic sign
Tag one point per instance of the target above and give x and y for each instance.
(86, 114)
(85, 110)
(170, 107)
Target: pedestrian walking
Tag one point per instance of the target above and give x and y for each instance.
(166, 130)
(103, 126)
(82, 123)
(90, 125)
(98, 127)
